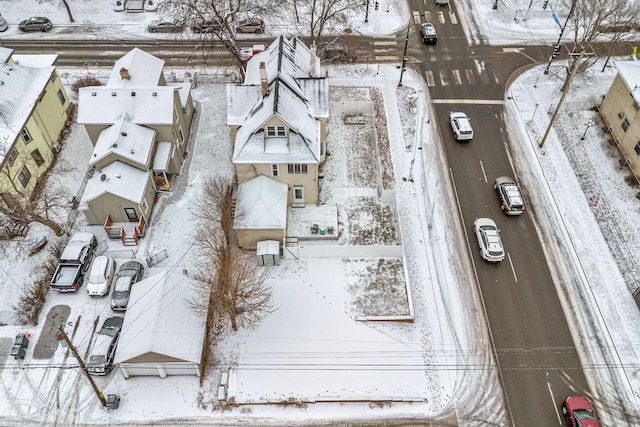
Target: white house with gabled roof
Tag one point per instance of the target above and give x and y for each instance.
(278, 120)
(141, 121)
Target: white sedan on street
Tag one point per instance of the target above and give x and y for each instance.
(488, 236)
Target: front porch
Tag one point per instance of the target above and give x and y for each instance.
(128, 232)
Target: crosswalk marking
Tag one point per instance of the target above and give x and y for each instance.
(470, 77)
(444, 78)
(429, 76)
(456, 77)
(453, 18)
(387, 58)
(383, 43)
(416, 17)
(441, 17)
(468, 101)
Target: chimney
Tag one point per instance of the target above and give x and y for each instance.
(264, 81)
(312, 59)
(124, 74)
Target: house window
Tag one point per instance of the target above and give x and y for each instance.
(276, 131)
(636, 105)
(24, 176)
(298, 194)
(131, 214)
(181, 135)
(637, 148)
(12, 155)
(297, 168)
(61, 97)
(275, 170)
(26, 136)
(144, 206)
(37, 157)
(175, 113)
(54, 76)
(625, 125)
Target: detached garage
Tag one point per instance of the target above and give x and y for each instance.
(161, 334)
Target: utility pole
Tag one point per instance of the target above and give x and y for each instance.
(62, 335)
(574, 68)
(366, 15)
(556, 47)
(404, 54)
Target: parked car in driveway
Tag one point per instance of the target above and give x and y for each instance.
(100, 276)
(3, 24)
(165, 26)
(103, 350)
(130, 272)
(251, 25)
(488, 236)
(35, 23)
(461, 126)
(74, 262)
(579, 412)
(429, 34)
(509, 194)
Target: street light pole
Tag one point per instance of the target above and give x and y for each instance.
(366, 15)
(556, 46)
(589, 124)
(404, 54)
(62, 335)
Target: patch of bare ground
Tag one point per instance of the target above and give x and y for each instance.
(370, 222)
(379, 288)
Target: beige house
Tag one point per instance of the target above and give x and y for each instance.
(140, 126)
(620, 111)
(278, 119)
(34, 110)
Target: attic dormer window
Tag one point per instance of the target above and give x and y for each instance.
(133, 94)
(276, 131)
(113, 94)
(155, 93)
(93, 93)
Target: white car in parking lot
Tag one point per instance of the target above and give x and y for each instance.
(101, 276)
(488, 236)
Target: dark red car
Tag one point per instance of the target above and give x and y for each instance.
(579, 412)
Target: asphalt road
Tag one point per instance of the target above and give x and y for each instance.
(538, 362)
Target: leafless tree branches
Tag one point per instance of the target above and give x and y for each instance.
(231, 287)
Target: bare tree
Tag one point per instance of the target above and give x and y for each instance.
(322, 16)
(609, 21)
(230, 286)
(45, 203)
(226, 13)
(68, 8)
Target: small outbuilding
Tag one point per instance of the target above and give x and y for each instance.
(162, 335)
(268, 252)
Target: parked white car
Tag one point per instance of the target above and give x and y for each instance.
(101, 276)
(488, 236)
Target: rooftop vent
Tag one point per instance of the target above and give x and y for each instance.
(93, 93)
(115, 145)
(155, 94)
(113, 94)
(123, 133)
(103, 177)
(133, 94)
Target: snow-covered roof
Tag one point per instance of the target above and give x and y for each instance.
(20, 88)
(5, 54)
(116, 178)
(142, 69)
(162, 157)
(296, 97)
(36, 61)
(304, 130)
(630, 73)
(126, 139)
(261, 204)
(144, 105)
(160, 321)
